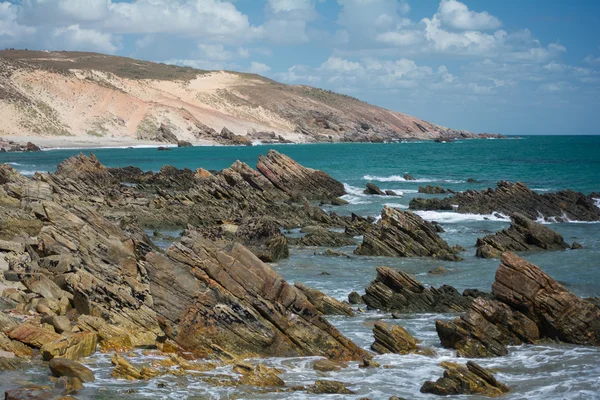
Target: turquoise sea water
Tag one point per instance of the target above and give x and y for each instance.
(544, 163)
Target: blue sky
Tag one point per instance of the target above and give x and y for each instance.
(514, 67)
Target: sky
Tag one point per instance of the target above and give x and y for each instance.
(502, 66)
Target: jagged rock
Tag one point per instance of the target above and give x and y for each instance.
(522, 235)
(85, 169)
(339, 202)
(32, 147)
(7, 323)
(576, 246)
(72, 369)
(264, 239)
(183, 143)
(433, 190)
(325, 304)
(124, 369)
(374, 189)
(398, 291)
(530, 306)
(509, 198)
(558, 313)
(405, 234)
(8, 361)
(296, 180)
(329, 387)
(110, 337)
(461, 380)
(260, 375)
(409, 177)
(323, 238)
(245, 307)
(72, 347)
(15, 347)
(391, 193)
(393, 339)
(17, 247)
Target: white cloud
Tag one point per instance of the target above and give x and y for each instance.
(457, 15)
(400, 38)
(337, 64)
(592, 60)
(75, 38)
(259, 68)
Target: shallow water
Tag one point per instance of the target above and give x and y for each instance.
(549, 371)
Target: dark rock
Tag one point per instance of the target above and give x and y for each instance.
(324, 238)
(63, 367)
(391, 193)
(509, 198)
(32, 147)
(264, 239)
(325, 304)
(393, 339)
(405, 234)
(438, 271)
(373, 189)
(522, 235)
(433, 190)
(472, 180)
(461, 380)
(409, 177)
(355, 298)
(329, 387)
(338, 202)
(183, 143)
(576, 246)
(162, 148)
(397, 291)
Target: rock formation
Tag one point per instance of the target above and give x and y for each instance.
(393, 339)
(434, 190)
(465, 380)
(397, 291)
(529, 306)
(522, 235)
(509, 198)
(405, 234)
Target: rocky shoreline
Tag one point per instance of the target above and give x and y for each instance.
(83, 276)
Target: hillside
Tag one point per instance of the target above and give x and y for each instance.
(97, 98)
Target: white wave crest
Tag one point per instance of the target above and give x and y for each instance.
(398, 178)
(454, 217)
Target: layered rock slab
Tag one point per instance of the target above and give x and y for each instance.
(529, 306)
(405, 234)
(509, 198)
(397, 291)
(465, 379)
(522, 235)
(211, 300)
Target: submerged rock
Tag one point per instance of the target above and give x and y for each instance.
(460, 380)
(397, 291)
(509, 198)
(329, 387)
(374, 189)
(522, 235)
(529, 306)
(405, 234)
(433, 190)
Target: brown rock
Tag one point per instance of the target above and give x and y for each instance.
(461, 380)
(522, 235)
(393, 339)
(64, 367)
(124, 369)
(60, 324)
(33, 335)
(296, 180)
(329, 387)
(72, 347)
(68, 385)
(405, 234)
(325, 365)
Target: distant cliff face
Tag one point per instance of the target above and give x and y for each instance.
(94, 95)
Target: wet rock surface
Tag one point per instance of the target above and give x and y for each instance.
(397, 291)
(509, 198)
(466, 379)
(528, 306)
(405, 234)
(522, 235)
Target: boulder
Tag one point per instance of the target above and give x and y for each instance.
(17, 247)
(325, 365)
(509, 198)
(85, 169)
(433, 190)
(374, 190)
(60, 324)
(355, 298)
(405, 234)
(409, 177)
(397, 291)
(33, 335)
(465, 380)
(522, 235)
(183, 143)
(32, 147)
(296, 180)
(72, 369)
(72, 347)
(329, 387)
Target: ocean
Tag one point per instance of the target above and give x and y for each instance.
(544, 163)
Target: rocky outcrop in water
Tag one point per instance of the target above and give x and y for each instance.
(434, 190)
(509, 198)
(210, 300)
(467, 379)
(394, 339)
(522, 235)
(296, 180)
(397, 291)
(529, 306)
(405, 234)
